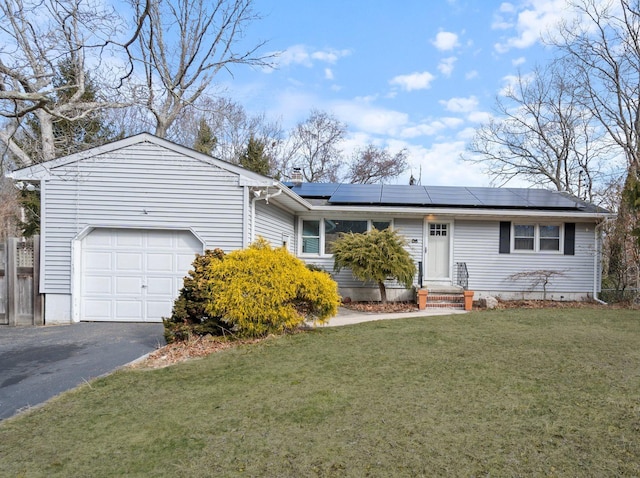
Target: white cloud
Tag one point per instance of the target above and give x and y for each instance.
(518, 61)
(302, 55)
(446, 66)
(446, 41)
(370, 119)
(534, 19)
(470, 75)
(330, 56)
(414, 81)
(328, 74)
(479, 116)
(441, 165)
(431, 128)
(460, 105)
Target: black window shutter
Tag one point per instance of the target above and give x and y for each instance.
(505, 237)
(569, 238)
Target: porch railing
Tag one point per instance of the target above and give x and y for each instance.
(462, 275)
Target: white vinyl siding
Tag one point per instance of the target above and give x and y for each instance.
(142, 186)
(274, 224)
(476, 244)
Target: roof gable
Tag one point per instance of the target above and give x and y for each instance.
(43, 170)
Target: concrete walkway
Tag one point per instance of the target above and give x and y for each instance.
(348, 316)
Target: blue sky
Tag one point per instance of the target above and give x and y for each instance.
(415, 74)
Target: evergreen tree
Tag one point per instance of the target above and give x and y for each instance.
(205, 141)
(375, 256)
(254, 157)
(70, 137)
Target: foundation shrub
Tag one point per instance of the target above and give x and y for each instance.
(189, 315)
(263, 290)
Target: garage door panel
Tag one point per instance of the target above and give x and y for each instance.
(160, 286)
(129, 309)
(134, 275)
(129, 261)
(98, 284)
(97, 310)
(129, 285)
(161, 240)
(101, 261)
(128, 238)
(158, 262)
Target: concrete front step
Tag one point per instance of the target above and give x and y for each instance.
(456, 299)
(445, 305)
(445, 298)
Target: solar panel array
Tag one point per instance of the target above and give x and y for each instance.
(436, 196)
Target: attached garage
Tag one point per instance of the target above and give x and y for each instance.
(133, 275)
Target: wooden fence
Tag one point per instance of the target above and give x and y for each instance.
(20, 300)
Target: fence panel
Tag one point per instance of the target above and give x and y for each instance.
(20, 300)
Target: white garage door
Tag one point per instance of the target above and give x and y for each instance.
(131, 275)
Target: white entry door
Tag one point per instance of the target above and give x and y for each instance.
(438, 249)
(133, 275)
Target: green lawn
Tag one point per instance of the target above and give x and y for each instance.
(501, 393)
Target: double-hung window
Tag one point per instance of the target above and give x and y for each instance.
(536, 237)
(310, 237)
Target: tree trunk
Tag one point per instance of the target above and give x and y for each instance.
(47, 136)
(383, 292)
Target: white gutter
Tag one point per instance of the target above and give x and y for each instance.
(461, 213)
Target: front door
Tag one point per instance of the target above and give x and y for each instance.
(438, 249)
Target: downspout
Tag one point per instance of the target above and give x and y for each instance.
(597, 264)
(256, 195)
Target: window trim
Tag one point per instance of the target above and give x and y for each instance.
(536, 238)
(321, 220)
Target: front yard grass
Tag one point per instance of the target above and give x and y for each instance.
(494, 393)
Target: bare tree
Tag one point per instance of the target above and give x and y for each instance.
(183, 45)
(314, 147)
(603, 48)
(372, 164)
(39, 36)
(542, 133)
(231, 126)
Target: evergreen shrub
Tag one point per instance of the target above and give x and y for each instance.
(252, 292)
(189, 315)
(263, 290)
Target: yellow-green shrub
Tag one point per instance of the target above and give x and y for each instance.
(262, 290)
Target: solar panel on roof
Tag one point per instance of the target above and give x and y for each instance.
(402, 194)
(498, 197)
(451, 196)
(543, 198)
(357, 194)
(414, 195)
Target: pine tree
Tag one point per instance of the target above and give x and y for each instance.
(254, 157)
(205, 141)
(375, 256)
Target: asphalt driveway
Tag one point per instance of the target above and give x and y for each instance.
(37, 363)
